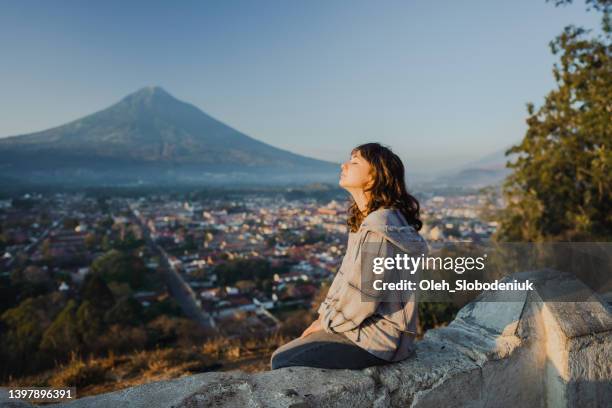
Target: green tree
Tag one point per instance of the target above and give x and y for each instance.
(561, 183)
(90, 323)
(120, 266)
(21, 330)
(105, 224)
(21, 333)
(127, 311)
(62, 336)
(106, 243)
(257, 270)
(97, 292)
(129, 242)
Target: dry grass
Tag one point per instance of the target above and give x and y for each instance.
(232, 350)
(104, 374)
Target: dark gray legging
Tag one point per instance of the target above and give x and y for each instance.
(323, 350)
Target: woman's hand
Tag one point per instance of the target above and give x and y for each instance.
(314, 326)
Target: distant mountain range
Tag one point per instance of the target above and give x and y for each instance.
(150, 137)
(489, 170)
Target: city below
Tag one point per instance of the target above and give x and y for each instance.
(255, 255)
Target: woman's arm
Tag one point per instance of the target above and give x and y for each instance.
(354, 303)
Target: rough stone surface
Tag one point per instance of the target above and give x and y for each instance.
(494, 354)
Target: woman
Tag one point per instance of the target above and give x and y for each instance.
(356, 328)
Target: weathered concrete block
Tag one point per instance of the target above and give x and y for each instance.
(494, 354)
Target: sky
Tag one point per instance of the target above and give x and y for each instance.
(443, 83)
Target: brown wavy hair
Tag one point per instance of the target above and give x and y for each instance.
(388, 189)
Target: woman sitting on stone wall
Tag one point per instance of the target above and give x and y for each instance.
(357, 327)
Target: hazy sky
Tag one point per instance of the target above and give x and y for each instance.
(441, 82)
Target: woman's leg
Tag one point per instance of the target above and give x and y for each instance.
(323, 350)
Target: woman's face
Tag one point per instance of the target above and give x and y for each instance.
(355, 172)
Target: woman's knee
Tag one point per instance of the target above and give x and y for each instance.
(276, 361)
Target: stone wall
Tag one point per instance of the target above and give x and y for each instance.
(494, 354)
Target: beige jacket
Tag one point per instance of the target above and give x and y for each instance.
(386, 327)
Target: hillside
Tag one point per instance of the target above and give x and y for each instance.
(150, 136)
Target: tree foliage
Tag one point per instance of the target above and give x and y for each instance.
(256, 270)
(96, 291)
(21, 330)
(561, 185)
(120, 266)
(62, 336)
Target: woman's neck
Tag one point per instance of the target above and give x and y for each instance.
(361, 198)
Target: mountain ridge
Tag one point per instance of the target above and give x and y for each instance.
(151, 129)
